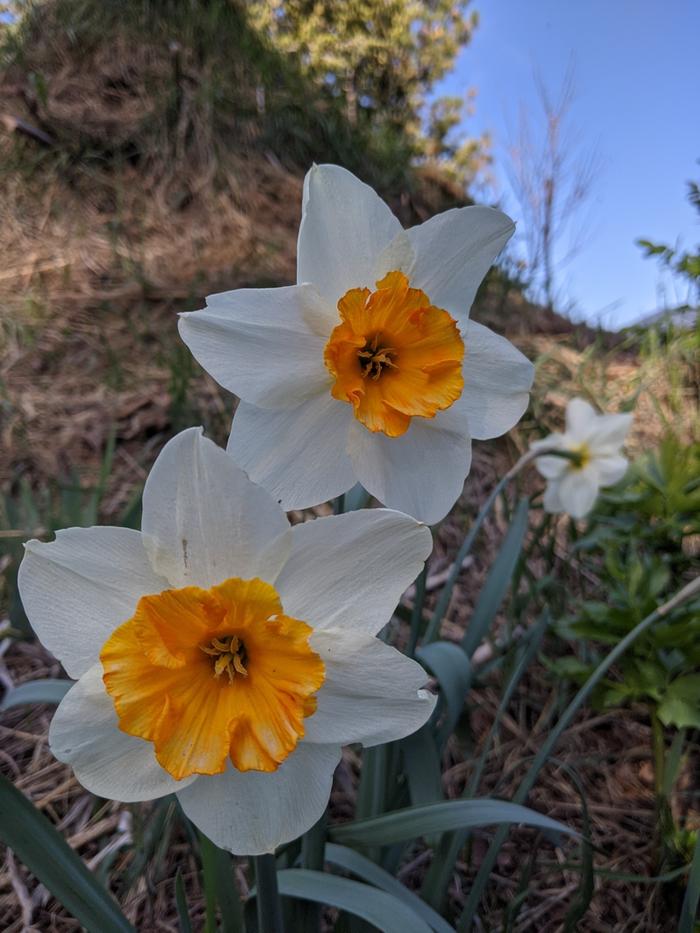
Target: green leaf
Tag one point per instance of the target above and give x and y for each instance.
(364, 868)
(691, 900)
(181, 903)
(36, 691)
(568, 668)
(49, 857)
(681, 703)
(422, 764)
(220, 887)
(356, 498)
(414, 822)
(443, 600)
(380, 908)
(494, 590)
(581, 902)
(450, 665)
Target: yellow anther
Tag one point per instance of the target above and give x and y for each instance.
(372, 358)
(230, 656)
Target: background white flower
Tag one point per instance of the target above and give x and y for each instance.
(267, 346)
(205, 522)
(597, 440)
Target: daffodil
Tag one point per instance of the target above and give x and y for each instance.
(222, 655)
(594, 444)
(369, 369)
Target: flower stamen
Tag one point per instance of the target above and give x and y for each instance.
(581, 456)
(372, 358)
(230, 656)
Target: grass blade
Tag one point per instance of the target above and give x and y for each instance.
(498, 580)
(220, 887)
(443, 601)
(183, 914)
(422, 765)
(36, 691)
(417, 611)
(446, 816)
(50, 859)
(313, 847)
(689, 910)
(358, 865)
(375, 906)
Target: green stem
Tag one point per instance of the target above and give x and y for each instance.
(370, 794)
(268, 899)
(659, 748)
(443, 602)
(417, 612)
(313, 848)
(692, 589)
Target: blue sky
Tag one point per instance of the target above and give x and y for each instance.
(637, 103)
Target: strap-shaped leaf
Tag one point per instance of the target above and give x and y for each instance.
(49, 857)
(183, 914)
(689, 910)
(498, 580)
(422, 766)
(220, 886)
(366, 869)
(378, 907)
(413, 822)
(37, 691)
(451, 666)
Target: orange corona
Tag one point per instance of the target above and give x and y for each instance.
(209, 675)
(394, 356)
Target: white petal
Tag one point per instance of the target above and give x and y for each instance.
(253, 812)
(372, 692)
(578, 491)
(344, 227)
(298, 455)
(609, 433)
(551, 500)
(258, 343)
(580, 418)
(611, 469)
(422, 472)
(204, 520)
(77, 589)
(453, 252)
(551, 467)
(84, 733)
(497, 380)
(349, 571)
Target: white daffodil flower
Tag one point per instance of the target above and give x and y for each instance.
(595, 441)
(368, 370)
(222, 655)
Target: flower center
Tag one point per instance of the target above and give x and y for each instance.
(373, 356)
(394, 356)
(229, 655)
(582, 452)
(211, 675)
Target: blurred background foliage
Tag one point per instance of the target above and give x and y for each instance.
(179, 82)
(152, 152)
